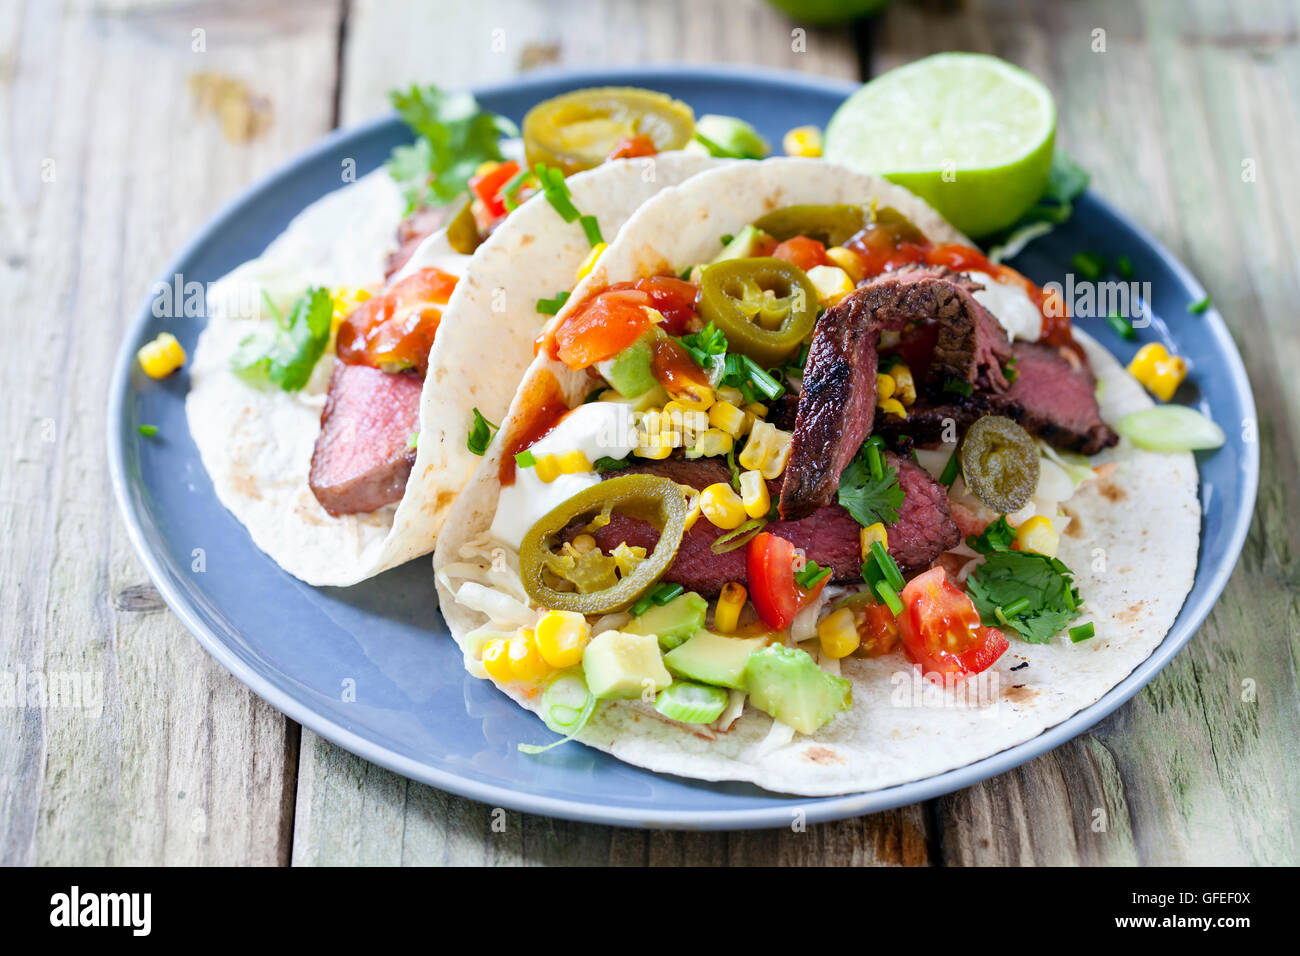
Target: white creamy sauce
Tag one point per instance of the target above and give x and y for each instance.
(1011, 306)
(598, 430)
(434, 252)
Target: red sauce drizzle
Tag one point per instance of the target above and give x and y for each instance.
(546, 406)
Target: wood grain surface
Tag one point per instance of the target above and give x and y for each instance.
(108, 162)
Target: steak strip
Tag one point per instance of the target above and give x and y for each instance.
(838, 402)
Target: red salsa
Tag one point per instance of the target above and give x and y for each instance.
(395, 331)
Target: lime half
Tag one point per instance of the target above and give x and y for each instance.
(969, 133)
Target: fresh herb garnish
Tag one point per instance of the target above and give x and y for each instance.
(553, 306)
(958, 386)
(1011, 370)
(888, 361)
(735, 471)
(1083, 632)
(998, 536)
(726, 239)
(869, 499)
(413, 441)
(525, 459)
(705, 344)
(811, 575)
(285, 351)
(592, 228)
(1030, 593)
(454, 137)
(480, 434)
(1199, 306)
(611, 464)
(148, 431)
(951, 470)
(708, 348)
(1122, 326)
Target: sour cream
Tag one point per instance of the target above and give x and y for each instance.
(1011, 306)
(598, 430)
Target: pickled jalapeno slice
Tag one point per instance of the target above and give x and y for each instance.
(829, 225)
(766, 307)
(1000, 463)
(578, 130)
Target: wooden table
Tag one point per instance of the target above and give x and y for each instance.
(107, 166)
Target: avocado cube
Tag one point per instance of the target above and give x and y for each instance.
(787, 683)
(673, 623)
(714, 659)
(622, 666)
(630, 371)
(743, 245)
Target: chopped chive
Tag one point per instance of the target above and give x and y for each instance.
(413, 441)
(1124, 266)
(665, 593)
(1088, 264)
(592, 228)
(1018, 606)
(726, 239)
(517, 180)
(525, 459)
(642, 605)
(764, 382)
(148, 431)
(950, 470)
(1122, 326)
(890, 597)
(1082, 632)
(958, 386)
(1199, 306)
(552, 306)
(875, 463)
(811, 575)
(888, 567)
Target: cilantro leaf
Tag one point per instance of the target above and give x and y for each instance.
(705, 344)
(610, 464)
(867, 499)
(996, 537)
(453, 138)
(480, 435)
(1044, 583)
(285, 351)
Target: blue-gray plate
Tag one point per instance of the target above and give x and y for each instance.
(415, 710)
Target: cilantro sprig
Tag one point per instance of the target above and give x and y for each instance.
(869, 489)
(1030, 593)
(709, 348)
(480, 434)
(285, 351)
(453, 138)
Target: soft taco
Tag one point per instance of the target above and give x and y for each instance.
(344, 461)
(803, 490)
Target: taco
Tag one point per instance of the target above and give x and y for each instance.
(343, 460)
(803, 490)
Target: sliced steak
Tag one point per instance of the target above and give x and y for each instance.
(1057, 399)
(837, 404)
(363, 455)
(411, 231)
(830, 536)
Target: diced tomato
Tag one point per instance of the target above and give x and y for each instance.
(802, 251)
(877, 630)
(674, 298)
(602, 327)
(488, 187)
(772, 587)
(941, 629)
(395, 331)
(638, 145)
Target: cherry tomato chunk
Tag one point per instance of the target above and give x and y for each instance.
(941, 630)
(802, 252)
(777, 597)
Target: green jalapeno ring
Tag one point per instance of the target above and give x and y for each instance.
(462, 231)
(1000, 463)
(769, 329)
(829, 225)
(652, 498)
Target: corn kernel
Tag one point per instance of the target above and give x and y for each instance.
(757, 409)
(726, 615)
(892, 406)
(584, 543)
(573, 462)
(838, 634)
(804, 141)
(904, 384)
(722, 506)
(589, 263)
(847, 260)
(657, 451)
(1168, 376)
(692, 507)
(526, 662)
(1038, 535)
(162, 356)
(696, 396)
(767, 450)
(873, 532)
(831, 282)
(562, 637)
(547, 467)
(754, 495)
(713, 442)
(1144, 362)
(727, 417)
(496, 661)
(885, 387)
(733, 396)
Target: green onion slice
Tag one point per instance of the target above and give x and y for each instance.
(1082, 632)
(889, 597)
(950, 470)
(525, 459)
(592, 228)
(567, 705)
(691, 703)
(739, 537)
(1170, 428)
(1122, 326)
(888, 566)
(552, 306)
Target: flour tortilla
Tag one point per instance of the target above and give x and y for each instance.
(256, 443)
(1132, 544)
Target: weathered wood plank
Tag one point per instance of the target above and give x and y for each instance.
(107, 169)
(1191, 771)
(351, 811)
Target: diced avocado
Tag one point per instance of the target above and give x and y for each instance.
(743, 245)
(673, 623)
(788, 684)
(655, 398)
(629, 371)
(624, 666)
(713, 659)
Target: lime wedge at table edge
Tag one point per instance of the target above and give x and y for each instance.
(967, 132)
